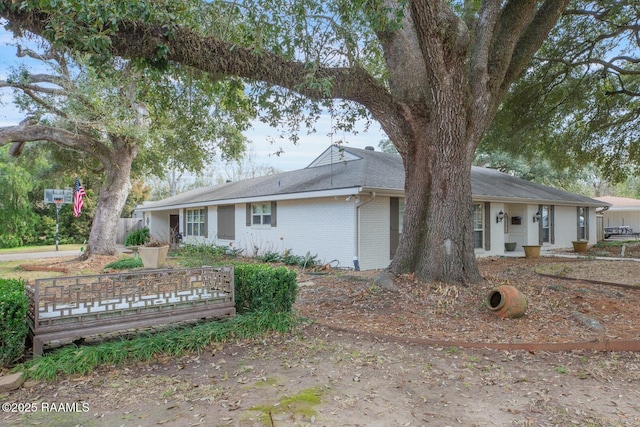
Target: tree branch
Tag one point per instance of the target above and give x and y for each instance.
(29, 130)
(530, 41)
(33, 88)
(134, 39)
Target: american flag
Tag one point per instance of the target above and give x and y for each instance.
(78, 194)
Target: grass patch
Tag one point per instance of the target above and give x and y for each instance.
(301, 404)
(613, 243)
(176, 342)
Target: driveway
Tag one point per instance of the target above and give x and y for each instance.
(36, 255)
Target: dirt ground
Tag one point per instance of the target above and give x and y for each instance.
(377, 358)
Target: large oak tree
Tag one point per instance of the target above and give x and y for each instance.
(117, 119)
(433, 73)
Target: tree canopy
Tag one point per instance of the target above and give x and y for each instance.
(579, 101)
(432, 73)
(119, 118)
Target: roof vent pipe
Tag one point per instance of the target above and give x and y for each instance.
(370, 148)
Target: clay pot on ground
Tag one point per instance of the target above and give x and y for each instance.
(506, 301)
(531, 251)
(580, 246)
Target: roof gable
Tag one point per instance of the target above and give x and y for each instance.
(333, 154)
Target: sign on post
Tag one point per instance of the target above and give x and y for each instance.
(59, 197)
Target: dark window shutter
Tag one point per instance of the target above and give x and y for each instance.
(540, 225)
(206, 222)
(586, 223)
(184, 222)
(552, 225)
(487, 226)
(394, 226)
(227, 222)
(248, 214)
(274, 214)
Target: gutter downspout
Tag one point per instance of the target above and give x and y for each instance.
(356, 243)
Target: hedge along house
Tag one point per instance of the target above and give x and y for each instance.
(347, 206)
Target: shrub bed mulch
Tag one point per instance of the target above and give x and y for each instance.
(559, 311)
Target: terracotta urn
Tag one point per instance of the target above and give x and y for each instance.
(506, 301)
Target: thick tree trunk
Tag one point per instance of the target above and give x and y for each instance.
(113, 196)
(437, 238)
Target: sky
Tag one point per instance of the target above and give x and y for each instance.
(294, 156)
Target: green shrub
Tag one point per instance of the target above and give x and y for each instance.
(13, 321)
(198, 254)
(301, 261)
(137, 237)
(124, 264)
(291, 259)
(270, 256)
(262, 288)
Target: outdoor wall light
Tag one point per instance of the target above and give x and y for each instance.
(499, 217)
(536, 217)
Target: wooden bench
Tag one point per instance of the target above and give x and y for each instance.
(76, 307)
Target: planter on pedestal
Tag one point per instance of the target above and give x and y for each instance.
(153, 256)
(531, 251)
(580, 246)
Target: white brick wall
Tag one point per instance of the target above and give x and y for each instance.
(159, 225)
(374, 243)
(326, 227)
(319, 226)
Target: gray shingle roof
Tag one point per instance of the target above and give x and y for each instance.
(493, 184)
(373, 170)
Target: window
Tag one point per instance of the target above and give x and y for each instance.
(583, 223)
(227, 222)
(478, 225)
(545, 224)
(261, 213)
(196, 222)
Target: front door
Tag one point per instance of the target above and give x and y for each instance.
(174, 227)
(517, 225)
